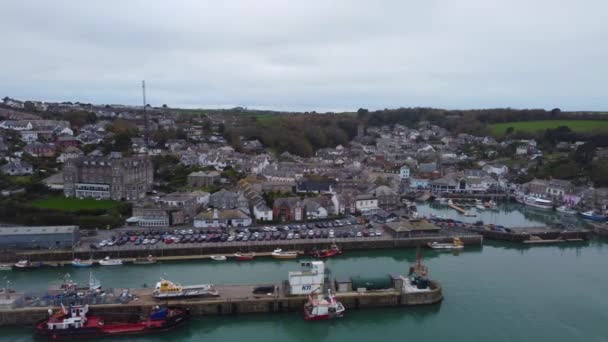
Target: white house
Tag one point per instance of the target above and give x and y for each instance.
(404, 172)
(222, 218)
(366, 204)
(262, 212)
(499, 170)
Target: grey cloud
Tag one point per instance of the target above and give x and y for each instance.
(308, 55)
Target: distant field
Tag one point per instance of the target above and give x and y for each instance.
(73, 204)
(500, 129)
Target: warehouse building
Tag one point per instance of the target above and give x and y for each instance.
(39, 237)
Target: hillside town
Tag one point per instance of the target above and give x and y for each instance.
(376, 173)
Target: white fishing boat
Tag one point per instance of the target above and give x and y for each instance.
(564, 209)
(281, 254)
(469, 213)
(110, 262)
(479, 205)
(320, 307)
(491, 205)
(537, 202)
(218, 257)
(6, 267)
(456, 244)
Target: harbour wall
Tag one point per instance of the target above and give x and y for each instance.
(236, 306)
(227, 249)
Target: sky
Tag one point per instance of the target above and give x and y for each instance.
(321, 55)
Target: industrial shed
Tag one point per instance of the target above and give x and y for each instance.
(39, 237)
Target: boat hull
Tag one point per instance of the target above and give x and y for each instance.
(114, 329)
(595, 218)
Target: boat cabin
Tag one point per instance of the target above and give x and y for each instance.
(74, 319)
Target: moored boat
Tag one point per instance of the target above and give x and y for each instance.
(321, 307)
(76, 322)
(6, 267)
(280, 254)
(150, 259)
(166, 289)
(244, 256)
(594, 216)
(26, 265)
(491, 205)
(218, 257)
(537, 202)
(82, 263)
(456, 244)
(564, 209)
(110, 262)
(327, 253)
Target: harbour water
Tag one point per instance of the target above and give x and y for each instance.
(511, 215)
(498, 292)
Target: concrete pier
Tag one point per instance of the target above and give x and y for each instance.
(237, 299)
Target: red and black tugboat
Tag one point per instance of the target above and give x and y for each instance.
(75, 322)
(327, 253)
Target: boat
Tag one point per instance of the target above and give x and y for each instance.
(150, 259)
(6, 267)
(469, 213)
(491, 205)
(82, 263)
(479, 205)
(166, 289)
(537, 202)
(280, 254)
(218, 257)
(594, 216)
(244, 256)
(327, 253)
(94, 283)
(456, 244)
(77, 323)
(26, 265)
(321, 307)
(110, 262)
(564, 209)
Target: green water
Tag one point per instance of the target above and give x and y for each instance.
(497, 292)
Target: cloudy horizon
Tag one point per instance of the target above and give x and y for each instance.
(314, 55)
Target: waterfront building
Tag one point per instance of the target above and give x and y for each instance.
(108, 177)
(222, 218)
(39, 237)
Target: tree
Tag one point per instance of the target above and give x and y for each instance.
(221, 128)
(584, 154)
(165, 106)
(510, 130)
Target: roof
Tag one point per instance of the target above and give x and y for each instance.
(411, 225)
(37, 230)
(222, 214)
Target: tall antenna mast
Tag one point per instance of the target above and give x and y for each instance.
(146, 126)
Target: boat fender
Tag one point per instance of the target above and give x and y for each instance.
(100, 323)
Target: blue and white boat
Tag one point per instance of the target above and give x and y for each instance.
(82, 263)
(594, 216)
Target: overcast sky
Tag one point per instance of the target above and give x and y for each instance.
(309, 55)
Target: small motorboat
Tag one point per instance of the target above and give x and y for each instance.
(564, 209)
(218, 257)
(469, 213)
(150, 259)
(6, 267)
(321, 307)
(327, 253)
(244, 256)
(594, 216)
(456, 244)
(280, 254)
(110, 262)
(82, 263)
(479, 205)
(26, 265)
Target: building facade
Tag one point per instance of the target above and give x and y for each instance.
(39, 237)
(108, 178)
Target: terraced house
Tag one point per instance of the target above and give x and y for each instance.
(110, 178)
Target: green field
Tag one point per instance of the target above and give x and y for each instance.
(73, 204)
(500, 129)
